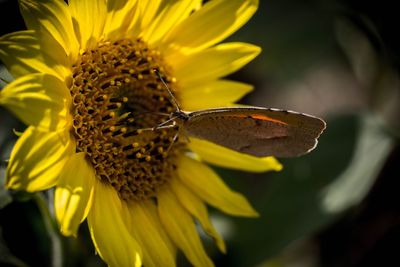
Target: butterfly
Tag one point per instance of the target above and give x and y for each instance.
(251, 130)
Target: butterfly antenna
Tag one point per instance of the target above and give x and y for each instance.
(178, 107)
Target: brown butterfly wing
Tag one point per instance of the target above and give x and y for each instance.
(257, 131)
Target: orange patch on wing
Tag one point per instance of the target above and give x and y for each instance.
(261, 117)
(266, 118)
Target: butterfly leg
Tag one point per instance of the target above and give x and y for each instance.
(186, 135)
(175, 138)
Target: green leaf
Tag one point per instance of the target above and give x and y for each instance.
(373, 147)
(5, 76)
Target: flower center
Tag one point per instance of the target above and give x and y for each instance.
(116, 99)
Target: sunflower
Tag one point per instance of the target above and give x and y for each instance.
(86, 87)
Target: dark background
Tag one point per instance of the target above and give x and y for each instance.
(339, 205)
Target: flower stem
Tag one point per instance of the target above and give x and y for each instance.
(46, 209)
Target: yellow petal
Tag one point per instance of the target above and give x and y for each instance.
(39, 99)
(213, 63)
(210, 188)
(110, 235)
(181, 228)
(28, 52)
(219, 93)
(227, 158)
(53, 17)
(148, 10)
(88, 17)
(198, 209)
(147, 229)
(38, 158)
(212, 23)
(122, 19)
(74, 193)
(171, 14)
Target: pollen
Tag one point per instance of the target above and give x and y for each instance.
(117, 101)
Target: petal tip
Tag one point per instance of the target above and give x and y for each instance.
(222, 247)
(68, 232)
(250, 212)
(13, 182)
(278, 167)
(9, 185)
(255, 215)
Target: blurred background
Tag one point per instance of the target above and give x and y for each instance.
(337, 206)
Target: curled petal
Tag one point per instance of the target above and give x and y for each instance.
(27, 52)
(53, 17)
(74, 193)
(38, 158)
(41, 100)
